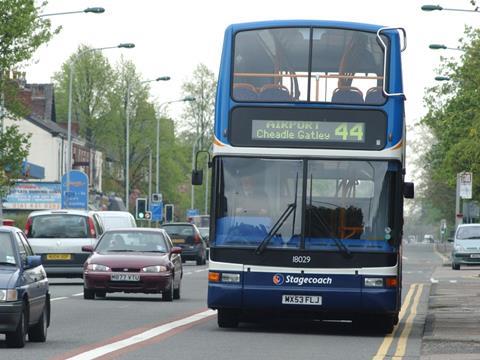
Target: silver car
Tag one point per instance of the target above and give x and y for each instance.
(466, 246)
(58, 236)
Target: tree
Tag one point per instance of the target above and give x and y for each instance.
(454, 122)
(21, 33)
(199, 116)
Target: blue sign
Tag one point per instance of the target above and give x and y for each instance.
(192, 212)
(157, 211)
(77, 196)
(34, 196)
(32, 171)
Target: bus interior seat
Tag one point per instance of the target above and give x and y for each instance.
(347, 95)
(375, 96)
(244, 92)
(274, 92)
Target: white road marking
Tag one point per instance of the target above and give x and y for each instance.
(197, 271)
(188, 273)
(404, 258)
(59, 298)
(433, 281)
(453, 281)
(146, 335)
(78, 294)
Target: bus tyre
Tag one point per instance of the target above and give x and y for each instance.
(384, 324)
(455, 266)
(227, 318)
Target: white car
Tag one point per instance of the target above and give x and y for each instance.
(115, 219)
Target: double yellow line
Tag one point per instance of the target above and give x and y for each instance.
(414, 292)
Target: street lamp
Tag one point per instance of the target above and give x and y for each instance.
(442, 47)
(70, 86)
(439, 8)
(94, 10)
(157, 175)
(127, 138)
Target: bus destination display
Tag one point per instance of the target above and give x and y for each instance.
(305, 131)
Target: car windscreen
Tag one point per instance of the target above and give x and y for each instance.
(59, 226)
(468, 233)
(7, 255)
(132, 241)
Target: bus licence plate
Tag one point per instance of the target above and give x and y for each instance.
(301, 300)
(125, 277)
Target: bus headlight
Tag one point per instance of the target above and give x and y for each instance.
(230, 278)
(373, 282)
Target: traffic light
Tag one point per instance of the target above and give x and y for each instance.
(140, 208)
(169, 211)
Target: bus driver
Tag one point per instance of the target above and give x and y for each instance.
(251, 199)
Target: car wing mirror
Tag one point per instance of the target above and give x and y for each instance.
(33, 261)
(197, 177)
(87, 248)
(408, 190)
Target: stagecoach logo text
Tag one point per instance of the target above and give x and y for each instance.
(279, 279)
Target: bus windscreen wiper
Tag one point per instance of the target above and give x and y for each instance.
(291, 208)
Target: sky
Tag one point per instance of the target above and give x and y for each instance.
(173, 37)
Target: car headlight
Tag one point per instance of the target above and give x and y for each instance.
(154, 269)
(8, 295)
(98, 267)
(459, 248)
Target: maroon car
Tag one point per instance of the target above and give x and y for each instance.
(135, 260)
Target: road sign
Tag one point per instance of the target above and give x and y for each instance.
(148, 215)
(77, 196)
(465, 185)
(192, 212)
(157, 211)
(157, 198)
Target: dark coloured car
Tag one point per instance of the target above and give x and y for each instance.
(187, 236)
(135, 260)
(24, 296)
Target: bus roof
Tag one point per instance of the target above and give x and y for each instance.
(304, 23)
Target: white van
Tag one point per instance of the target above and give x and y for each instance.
(115, 219)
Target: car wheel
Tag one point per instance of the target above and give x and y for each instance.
(88, 294)
(455, 266)
(199, 260)
(38, 333)
(227, 318)
(167, 295)
(17, 338)
(101, 293)
(176, 292)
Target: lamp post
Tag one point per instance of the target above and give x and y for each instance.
(70, 87)
(443, 47)
(127, 138)
(94, 10)
(440, 8)
(157, 164)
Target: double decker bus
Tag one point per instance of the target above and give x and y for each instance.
(308, 173)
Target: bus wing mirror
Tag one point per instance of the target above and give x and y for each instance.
(408, 190)
(197, 177)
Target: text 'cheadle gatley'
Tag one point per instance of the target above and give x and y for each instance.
(289, 130)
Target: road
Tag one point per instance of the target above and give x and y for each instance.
(143, 327)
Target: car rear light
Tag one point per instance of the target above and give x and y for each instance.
(28, 226)
(91, 228)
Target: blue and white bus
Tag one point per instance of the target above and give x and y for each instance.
(308, 173)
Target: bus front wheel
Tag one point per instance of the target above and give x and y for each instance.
(227, 318)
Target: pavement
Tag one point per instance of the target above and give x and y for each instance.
(452, 326)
